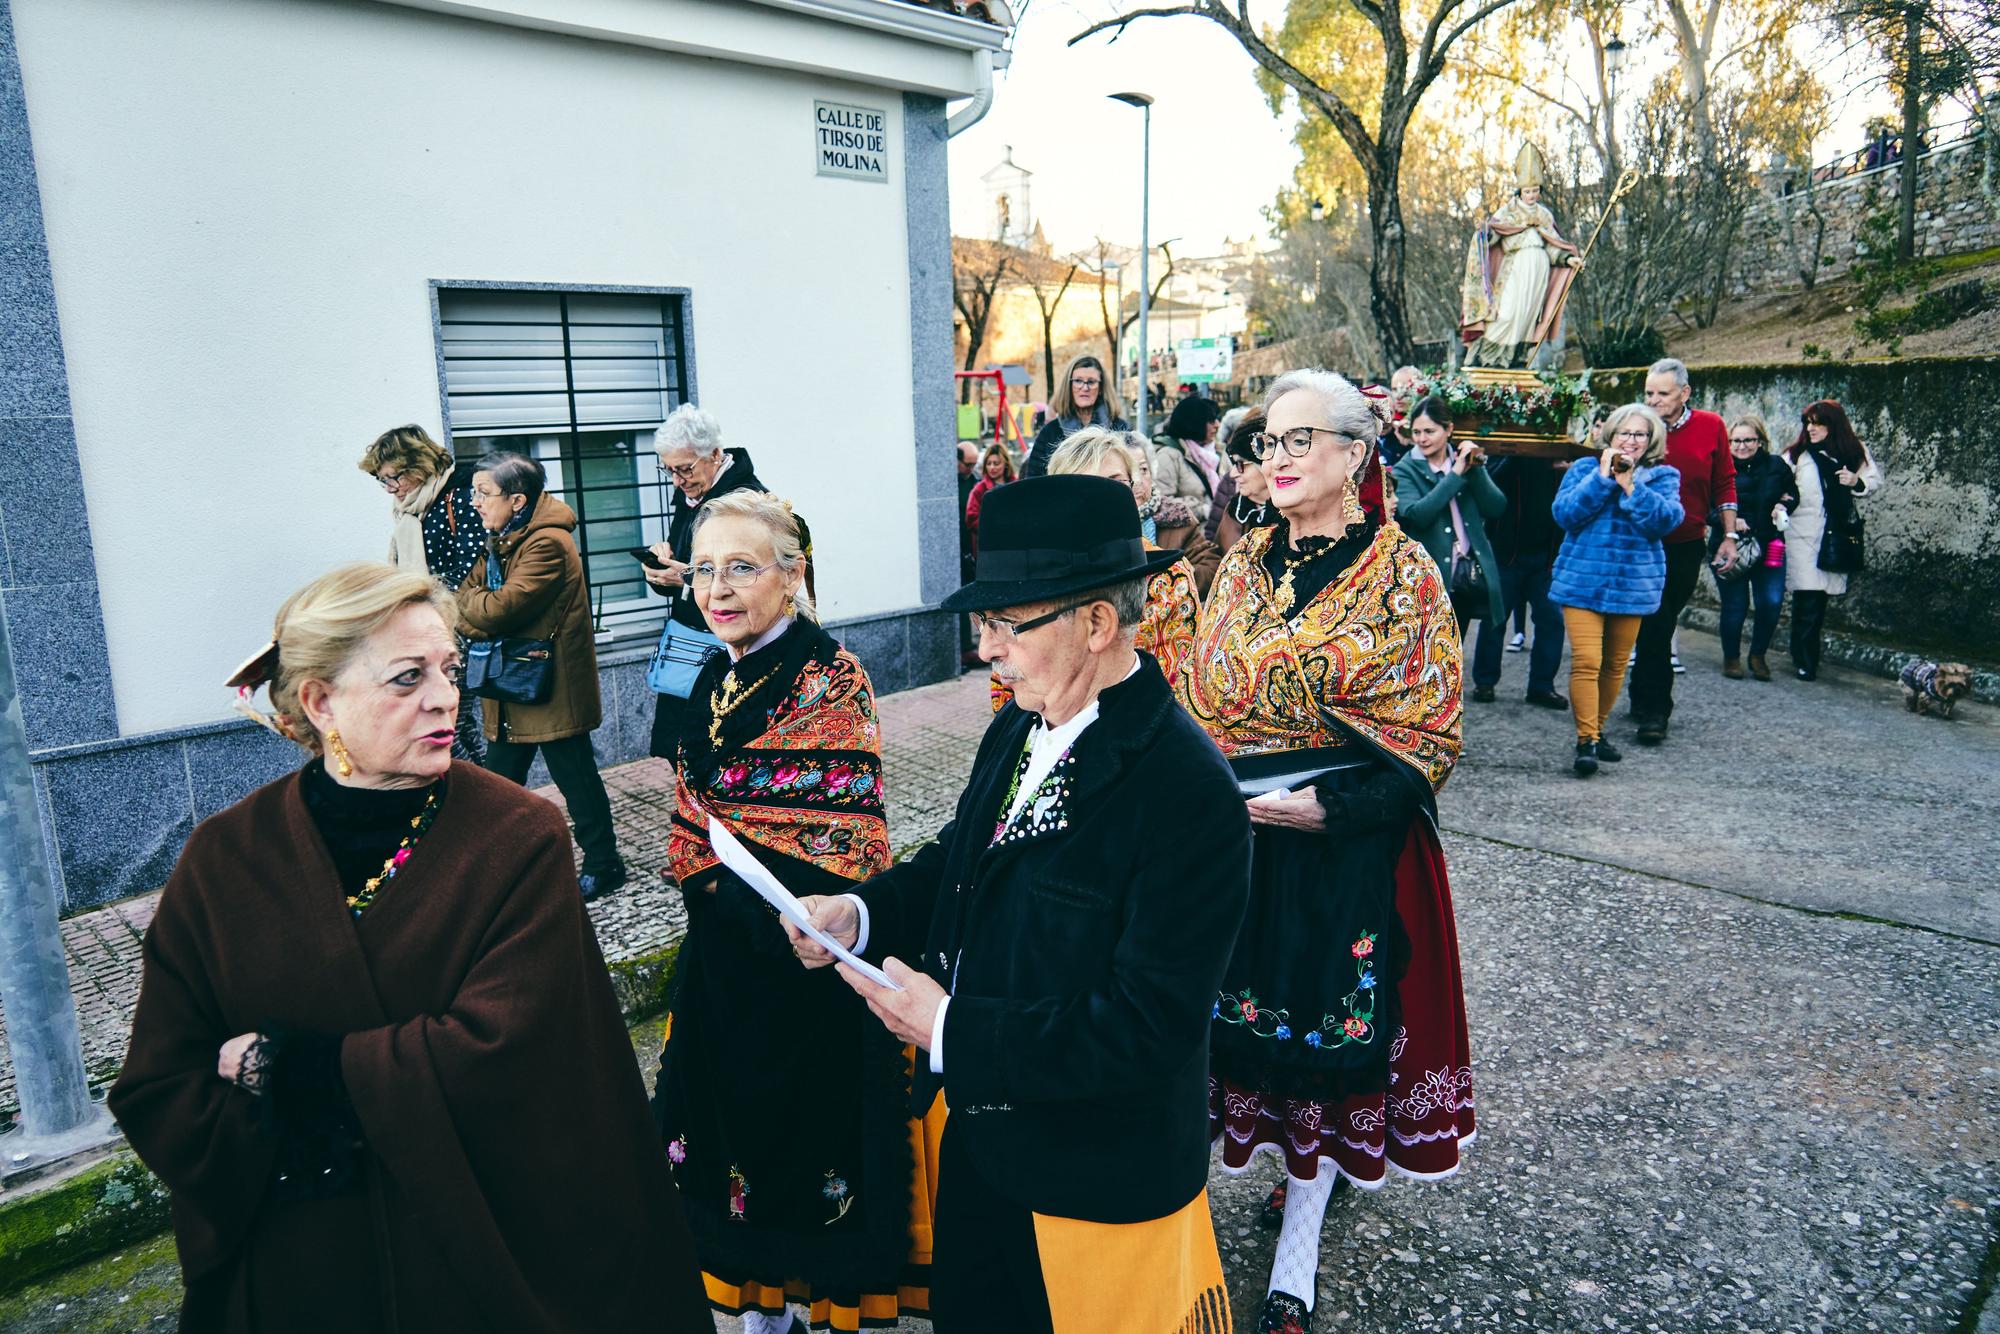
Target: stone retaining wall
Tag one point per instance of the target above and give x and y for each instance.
(1954, 217)
(1933, 580)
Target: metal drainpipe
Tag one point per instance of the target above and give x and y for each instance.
(982, 100)
(58, 1117)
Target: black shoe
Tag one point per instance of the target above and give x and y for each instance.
(597, 886)
(1609, 753)
(1273, 1212)
(1652, 731)
(1284, 1314)
(1586, 759)
(1482, 694)
(1547, 699)
(1806, 674)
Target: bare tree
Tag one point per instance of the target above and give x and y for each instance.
(1114, 330)
(1047, 305)
(978, 269)
(1403, 79)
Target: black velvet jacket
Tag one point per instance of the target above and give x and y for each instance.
(1087, 944)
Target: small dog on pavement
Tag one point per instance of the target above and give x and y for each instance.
(1936, 686)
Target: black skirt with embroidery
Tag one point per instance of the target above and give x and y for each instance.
(783, 1104)
(1309, 1004)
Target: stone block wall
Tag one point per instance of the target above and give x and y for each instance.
(1954, 217)
(1933, 580)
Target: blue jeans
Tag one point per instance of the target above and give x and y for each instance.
(1767, 584)
(1523, 585)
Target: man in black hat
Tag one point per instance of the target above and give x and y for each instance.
(1067, 933)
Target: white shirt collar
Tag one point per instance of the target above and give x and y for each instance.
(1047, 745)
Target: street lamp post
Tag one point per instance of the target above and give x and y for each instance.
(1145, 105)
(1616, 52)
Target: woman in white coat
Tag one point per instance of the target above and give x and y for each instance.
(1833, 469)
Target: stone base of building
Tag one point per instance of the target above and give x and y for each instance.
(115, 813)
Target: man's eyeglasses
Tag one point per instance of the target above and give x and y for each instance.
(392, 480)
(1296, 442)
(737, 573)
(1006, 629)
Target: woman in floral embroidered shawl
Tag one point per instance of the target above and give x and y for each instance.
(1326, 667)
(782, 1103)
(1167, 629)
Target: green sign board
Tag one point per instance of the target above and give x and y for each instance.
(1204, 360)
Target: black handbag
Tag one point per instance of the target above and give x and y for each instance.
(1468, 586)
(1841, 549)
(513, 671)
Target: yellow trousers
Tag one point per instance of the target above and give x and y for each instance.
(1598, 648)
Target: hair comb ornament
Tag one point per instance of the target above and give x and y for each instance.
(260, 669)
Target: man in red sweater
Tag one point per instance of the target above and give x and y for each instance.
(1698, 448)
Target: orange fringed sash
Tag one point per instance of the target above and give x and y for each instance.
(1162, 1275)
(808, 787)
(1377, 651)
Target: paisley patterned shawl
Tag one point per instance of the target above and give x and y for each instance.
(1166, 630)
(808, 786)
(1376, 652)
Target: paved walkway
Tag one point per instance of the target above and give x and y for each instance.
(1735, 1012)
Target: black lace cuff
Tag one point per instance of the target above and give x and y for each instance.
(1381, 801)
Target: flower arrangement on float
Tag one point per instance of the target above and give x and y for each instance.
(1539, 406)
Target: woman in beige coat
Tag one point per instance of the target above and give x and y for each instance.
(530, 585)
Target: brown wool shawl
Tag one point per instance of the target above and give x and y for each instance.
(513, 1179)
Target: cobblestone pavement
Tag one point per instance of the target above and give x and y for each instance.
(1735, 1011)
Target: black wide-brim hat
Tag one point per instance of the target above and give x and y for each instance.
(1051, 537)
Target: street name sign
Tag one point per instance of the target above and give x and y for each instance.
(851, 141)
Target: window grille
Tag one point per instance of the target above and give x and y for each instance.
(581, 381)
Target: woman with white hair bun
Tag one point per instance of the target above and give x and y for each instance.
(1326, 667)
(691, 453)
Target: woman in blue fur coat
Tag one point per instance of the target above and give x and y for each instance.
(1611, 569)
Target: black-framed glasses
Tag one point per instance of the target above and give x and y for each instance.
(1006, 629)
(737, 573)
(1296, 442)
(680, 472)
(1077, 382)
(393, 480)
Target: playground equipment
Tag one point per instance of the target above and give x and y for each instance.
(1009, 422)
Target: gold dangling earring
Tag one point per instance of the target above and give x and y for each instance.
(791, 605)
(343, 763)
(1350, 502)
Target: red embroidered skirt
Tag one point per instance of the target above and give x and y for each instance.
(1425, 1118)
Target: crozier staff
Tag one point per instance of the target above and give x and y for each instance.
(368, 985)
(1068, 931)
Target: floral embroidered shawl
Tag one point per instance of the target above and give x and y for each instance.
(802, 777)
(1376, 652)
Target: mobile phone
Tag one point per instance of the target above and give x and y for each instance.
(645, 556)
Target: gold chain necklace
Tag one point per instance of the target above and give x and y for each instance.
(1286, 593)
(725, 701)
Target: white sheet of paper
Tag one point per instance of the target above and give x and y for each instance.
(729, 850)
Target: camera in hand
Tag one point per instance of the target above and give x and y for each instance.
(1621, 463)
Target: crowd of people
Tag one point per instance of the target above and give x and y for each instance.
(1191, 906)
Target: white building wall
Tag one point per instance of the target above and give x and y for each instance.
(246, 201)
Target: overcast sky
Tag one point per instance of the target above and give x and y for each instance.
(1219, 155)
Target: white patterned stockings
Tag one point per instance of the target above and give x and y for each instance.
(1295, 1268)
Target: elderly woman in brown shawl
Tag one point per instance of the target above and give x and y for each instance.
(377, 1060)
